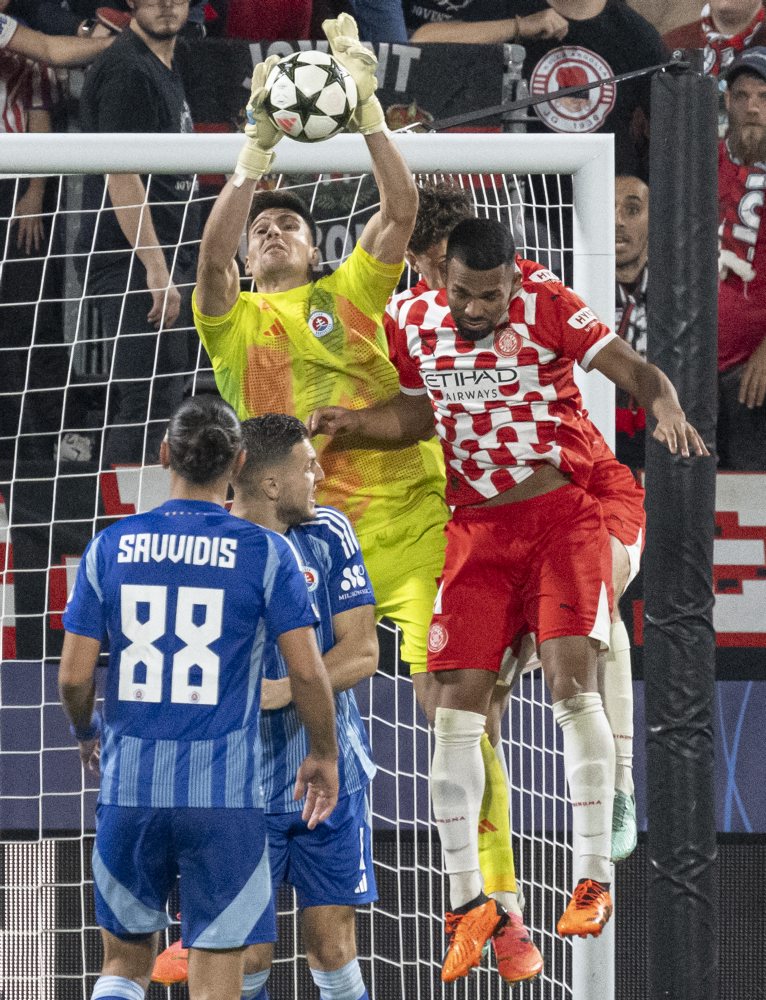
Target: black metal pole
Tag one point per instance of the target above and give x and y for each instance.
(679, 652)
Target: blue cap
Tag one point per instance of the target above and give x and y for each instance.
(748, 61)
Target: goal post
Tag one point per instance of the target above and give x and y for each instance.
(401, 937)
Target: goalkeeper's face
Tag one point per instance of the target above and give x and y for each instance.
(280, 250)
(478, 300)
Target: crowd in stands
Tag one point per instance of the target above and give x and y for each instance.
(139, 87)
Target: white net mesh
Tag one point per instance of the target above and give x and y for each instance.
(56, 490)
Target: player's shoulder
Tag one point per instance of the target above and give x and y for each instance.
(398, 299)
(429, 310)
(333, 526)
(535, 276)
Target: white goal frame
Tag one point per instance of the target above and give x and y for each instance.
(588, 159)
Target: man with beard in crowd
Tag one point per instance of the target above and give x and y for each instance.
(742, 269)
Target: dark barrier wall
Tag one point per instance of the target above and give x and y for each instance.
(679, 641)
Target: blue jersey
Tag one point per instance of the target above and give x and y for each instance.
(332, 563)
(191, 600)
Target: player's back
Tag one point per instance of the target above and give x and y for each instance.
(184, 595)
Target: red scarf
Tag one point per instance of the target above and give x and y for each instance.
(726, 47)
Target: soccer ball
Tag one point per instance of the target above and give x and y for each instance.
(310, 96)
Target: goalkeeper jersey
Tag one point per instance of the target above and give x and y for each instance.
(332, 563)
(322, 344)
(190, 600)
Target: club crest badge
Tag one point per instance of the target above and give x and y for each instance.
(572, 66)
(320, 323)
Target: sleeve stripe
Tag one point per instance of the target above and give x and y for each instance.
(91, 568)
(339, 524)
(589, 355)
(412, 392)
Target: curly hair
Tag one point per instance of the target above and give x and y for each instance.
(442, 205)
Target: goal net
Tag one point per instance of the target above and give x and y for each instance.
(56, 490)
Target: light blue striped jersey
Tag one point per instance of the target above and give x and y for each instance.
(332, 563)
(191, 601)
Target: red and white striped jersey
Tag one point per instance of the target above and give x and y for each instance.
(24, 86)
(506, 404)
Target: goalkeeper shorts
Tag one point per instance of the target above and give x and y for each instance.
(220, 855)
(405, 560)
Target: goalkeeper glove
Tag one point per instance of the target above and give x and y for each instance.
(262, 135)
(343, 36)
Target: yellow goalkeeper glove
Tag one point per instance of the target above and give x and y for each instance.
(343, 36)
(262, 135)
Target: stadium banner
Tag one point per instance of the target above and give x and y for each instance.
(415, 83)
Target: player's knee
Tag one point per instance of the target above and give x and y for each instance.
(345, 983)
(258, 958)
(331, 952)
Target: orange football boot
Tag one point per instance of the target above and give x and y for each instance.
(589, 909)
(171, 965)
(468, 932)
(516, 954)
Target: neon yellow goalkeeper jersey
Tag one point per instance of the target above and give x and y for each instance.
(322, 344)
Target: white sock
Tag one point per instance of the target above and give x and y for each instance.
(253, 983)
(512, 901)
(457, 788)
(589, 766)
(616, 686)
(117, 988)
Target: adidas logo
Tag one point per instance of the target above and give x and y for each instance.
(362, 887)
(486, 827)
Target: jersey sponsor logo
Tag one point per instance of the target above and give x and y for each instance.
(507, 343)
(438, 637)
(572, 66)
(311, 576)
(582, 319)
(480, 384)
(542, 275)
(320, 323)
(194, 550)
(353, 578)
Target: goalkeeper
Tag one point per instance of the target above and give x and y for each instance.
(297, 344)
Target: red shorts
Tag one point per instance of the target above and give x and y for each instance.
(544, 561)
(621, 499)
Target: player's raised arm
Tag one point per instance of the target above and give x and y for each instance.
(217, 271)
(387, 233)
(317, 776)
(653, 390)
(402, 419)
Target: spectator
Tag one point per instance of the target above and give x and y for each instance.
(89, 20)
(481, 22)
(604, 38)
(30, 280)
(135, 87)
(631, 211)
(723, 29)
(742, 268)
(381, 20)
